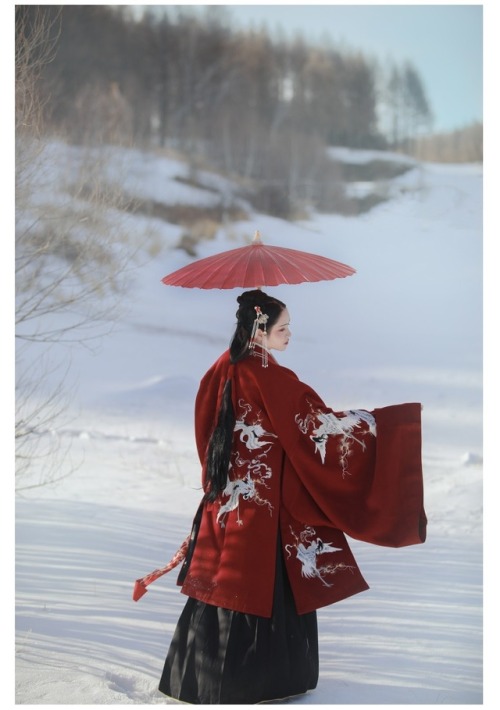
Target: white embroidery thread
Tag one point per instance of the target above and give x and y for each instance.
(308, 550)
(253, 471)
(326, 424)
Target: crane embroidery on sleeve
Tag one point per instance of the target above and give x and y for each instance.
(349, 427)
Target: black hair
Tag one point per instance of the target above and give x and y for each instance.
(221, 441)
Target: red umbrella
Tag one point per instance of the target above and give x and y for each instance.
(255, 266)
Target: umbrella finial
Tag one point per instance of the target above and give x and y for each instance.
(256, 238)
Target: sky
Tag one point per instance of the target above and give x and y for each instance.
(444, 42)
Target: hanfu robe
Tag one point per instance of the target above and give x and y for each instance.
(302, 476)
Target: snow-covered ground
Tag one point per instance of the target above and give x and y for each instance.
(406, 327)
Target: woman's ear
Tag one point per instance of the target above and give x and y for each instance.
(259, 336)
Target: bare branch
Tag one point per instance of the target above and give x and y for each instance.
(72, 256)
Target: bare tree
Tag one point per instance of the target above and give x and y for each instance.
(464, 145)
(418, 115)
(69, 258)
(406, 104)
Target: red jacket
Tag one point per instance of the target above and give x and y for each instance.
(314, 473)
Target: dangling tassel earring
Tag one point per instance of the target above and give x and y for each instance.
(264, 347)
(260, 319)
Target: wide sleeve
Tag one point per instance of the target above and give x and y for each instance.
(359, 471)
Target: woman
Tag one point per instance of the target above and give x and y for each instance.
(284, 477)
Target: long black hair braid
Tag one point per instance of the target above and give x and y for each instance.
(221, 441)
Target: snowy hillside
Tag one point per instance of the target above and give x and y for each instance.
(406, 327)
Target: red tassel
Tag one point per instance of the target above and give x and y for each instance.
(139, 590)
(141, 584)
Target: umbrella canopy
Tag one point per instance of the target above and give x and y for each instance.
(255, 266)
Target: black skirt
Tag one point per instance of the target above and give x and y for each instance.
(218, 656)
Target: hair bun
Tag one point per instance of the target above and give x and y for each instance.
(252, 298)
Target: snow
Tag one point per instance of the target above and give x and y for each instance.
(360, 157)
(406, 327)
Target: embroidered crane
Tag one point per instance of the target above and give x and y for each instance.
(307, 551)
(252, 435)
(325, 424)
(244, 487)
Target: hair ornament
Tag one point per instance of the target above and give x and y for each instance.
(260, 319)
